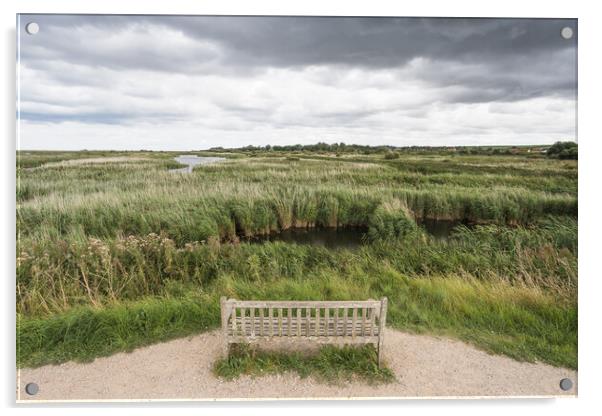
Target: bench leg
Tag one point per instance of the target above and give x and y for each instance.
(226, 349)
(382, 324)
(225, 313)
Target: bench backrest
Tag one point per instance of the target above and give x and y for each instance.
(245, 320)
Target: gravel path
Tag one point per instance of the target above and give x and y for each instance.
(181, 369)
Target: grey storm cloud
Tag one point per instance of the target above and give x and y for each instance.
(291, 41)
(439, 60)
(374, 42)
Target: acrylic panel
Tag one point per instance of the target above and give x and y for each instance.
(281, 207)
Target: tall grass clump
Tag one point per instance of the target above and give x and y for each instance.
(331, 364)
(391, 220)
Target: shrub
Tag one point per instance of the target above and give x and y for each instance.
(390, 155)
(563, 150)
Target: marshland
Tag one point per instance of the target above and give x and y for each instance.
(115, 250)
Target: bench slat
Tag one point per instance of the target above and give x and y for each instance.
(243, 312)
(336, 320)
(303, 304)
(233, 319)
(331, 329)
(326, 319)
(261, 321)
(363, 321)
(308, 320)
(354, 322)
(244, 326)
(279, 322)
(235, 339)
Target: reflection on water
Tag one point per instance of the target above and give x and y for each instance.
(193, 160)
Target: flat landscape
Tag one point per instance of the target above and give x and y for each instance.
(117, 250)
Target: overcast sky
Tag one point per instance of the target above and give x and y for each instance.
(184, 83)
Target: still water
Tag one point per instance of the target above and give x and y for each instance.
(193, 160)
(349, 237)
(325, 237)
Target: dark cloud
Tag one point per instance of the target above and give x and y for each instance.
(373, 42)
(518, 77)
(289, 41)
(240, 74)
(518, 58)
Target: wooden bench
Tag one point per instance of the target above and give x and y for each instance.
(325, 322)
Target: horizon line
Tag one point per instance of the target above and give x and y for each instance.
(296, 144)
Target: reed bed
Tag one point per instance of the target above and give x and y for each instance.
(111, 256)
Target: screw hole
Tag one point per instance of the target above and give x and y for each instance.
(32, 28)
(32, 389)
(566, 384)
(566, 33)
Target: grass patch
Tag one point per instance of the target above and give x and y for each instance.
(331, 364)
(525, 323)
(84, 333)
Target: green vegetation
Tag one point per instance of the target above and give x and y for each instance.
(389, 155)
(85, 333)
(115, 255)
(563, 150)
(331, 364)
(356, 149)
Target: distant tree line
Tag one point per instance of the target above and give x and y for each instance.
(318, 147)
(390, 152)
(563, 150)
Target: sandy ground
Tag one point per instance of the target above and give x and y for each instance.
(181, 369)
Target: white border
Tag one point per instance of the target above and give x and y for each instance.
(292, 399)
(590, 23)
